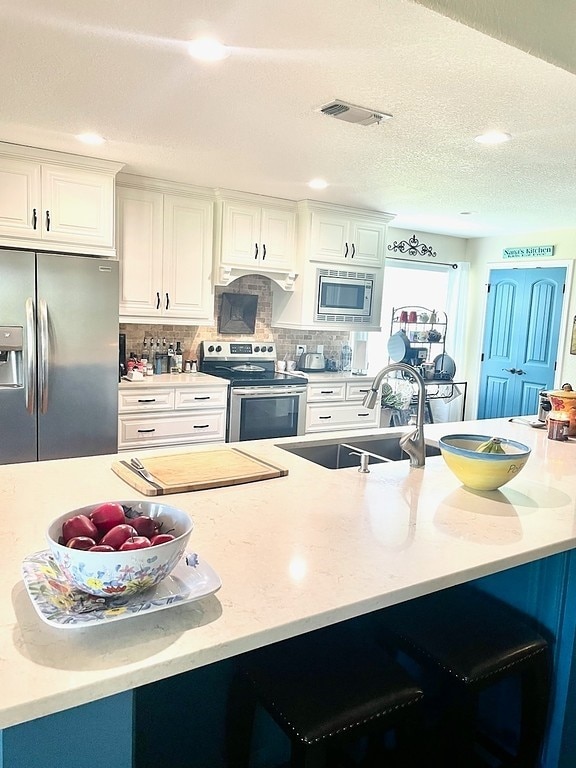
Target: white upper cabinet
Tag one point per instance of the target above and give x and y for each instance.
(56, 200)
(165, 248)
(255, 234)
(342, 235)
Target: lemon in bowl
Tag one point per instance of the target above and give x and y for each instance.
(483, 470)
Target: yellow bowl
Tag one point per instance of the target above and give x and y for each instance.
(482, 471)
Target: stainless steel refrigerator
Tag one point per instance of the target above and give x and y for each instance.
(58, 356)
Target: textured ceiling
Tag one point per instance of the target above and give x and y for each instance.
(249, 122)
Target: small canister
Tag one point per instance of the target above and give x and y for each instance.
(558, 427)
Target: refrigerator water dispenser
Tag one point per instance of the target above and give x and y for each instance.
(11, 343)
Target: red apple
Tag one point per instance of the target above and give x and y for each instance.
(145, 526)
(81, 542)
(102, 548)
(117, 536)
(161, 538)
(105, 516)
(79, 525)
(135, 542)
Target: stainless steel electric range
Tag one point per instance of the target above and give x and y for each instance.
(262, 403)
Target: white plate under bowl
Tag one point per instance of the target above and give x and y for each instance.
(62, 605)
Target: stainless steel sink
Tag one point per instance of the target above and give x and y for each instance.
(340, 454)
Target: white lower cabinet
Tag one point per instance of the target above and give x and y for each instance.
(338, 405)
(163, 416)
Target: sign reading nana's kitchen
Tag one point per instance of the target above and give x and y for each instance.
(528, 251)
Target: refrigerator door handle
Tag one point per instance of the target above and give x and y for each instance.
(43, 357)
(30, 378)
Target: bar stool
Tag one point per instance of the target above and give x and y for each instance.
(325, 690)
(471, 642)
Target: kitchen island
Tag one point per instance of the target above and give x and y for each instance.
(294, 554)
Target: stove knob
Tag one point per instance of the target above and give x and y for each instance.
(270, 349)
(218, 348)
(211, 348)
(256, 349)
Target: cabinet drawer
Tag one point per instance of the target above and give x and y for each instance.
(323, 392)
(357, 390)
(134, 431)
(189, 397)
(340, 416)
(145, 400)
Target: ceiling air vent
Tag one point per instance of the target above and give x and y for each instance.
(351, 113)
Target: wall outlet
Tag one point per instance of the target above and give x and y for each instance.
(320, 349)
(300, 349)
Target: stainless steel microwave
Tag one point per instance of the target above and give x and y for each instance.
(344, 296)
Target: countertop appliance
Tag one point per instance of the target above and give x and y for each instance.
(312, 362)
(262, 403)
(58, 356)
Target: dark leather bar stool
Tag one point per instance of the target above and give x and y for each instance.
(325, 690)
(472, 641)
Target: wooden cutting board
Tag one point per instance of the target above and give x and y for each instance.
(197, 470)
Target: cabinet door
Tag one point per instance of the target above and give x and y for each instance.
(330, 237)
(139, 241)
(277, 239)
(368, 241)
(77, 206)
(187, 264)
(19, 198)
(240, 234)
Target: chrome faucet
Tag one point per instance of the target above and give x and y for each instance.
(412, 442)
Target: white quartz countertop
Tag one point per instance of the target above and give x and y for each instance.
(175, 380)
(294, 554)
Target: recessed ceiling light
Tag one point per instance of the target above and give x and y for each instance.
(91, 138)
(493, 137)
(208, 49)
(318, 184)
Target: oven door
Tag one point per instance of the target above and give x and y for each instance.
(257, 413)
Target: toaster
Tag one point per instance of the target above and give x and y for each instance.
(312, 361)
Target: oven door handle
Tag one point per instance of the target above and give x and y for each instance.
(264, 390)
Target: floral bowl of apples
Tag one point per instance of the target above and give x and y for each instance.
(119, 547)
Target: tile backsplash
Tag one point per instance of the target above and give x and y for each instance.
(190, 336)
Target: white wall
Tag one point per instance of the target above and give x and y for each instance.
(485, 254)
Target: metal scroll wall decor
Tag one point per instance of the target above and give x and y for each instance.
(413, 247)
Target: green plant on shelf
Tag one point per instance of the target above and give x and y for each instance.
(398, 400)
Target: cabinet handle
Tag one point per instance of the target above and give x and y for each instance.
(149, 400)
(47, 221)
(326, 391)
(263, 251)
(353, 250)
(34, 218)
(147, 430)
(363, 391)
(363, 414)
(255, 250)
(346, 252)
(201, 426)
(324, 417)
(157, 299)
(204, 397)
(167, 301)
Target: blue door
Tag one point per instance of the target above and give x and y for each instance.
(520, 340)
